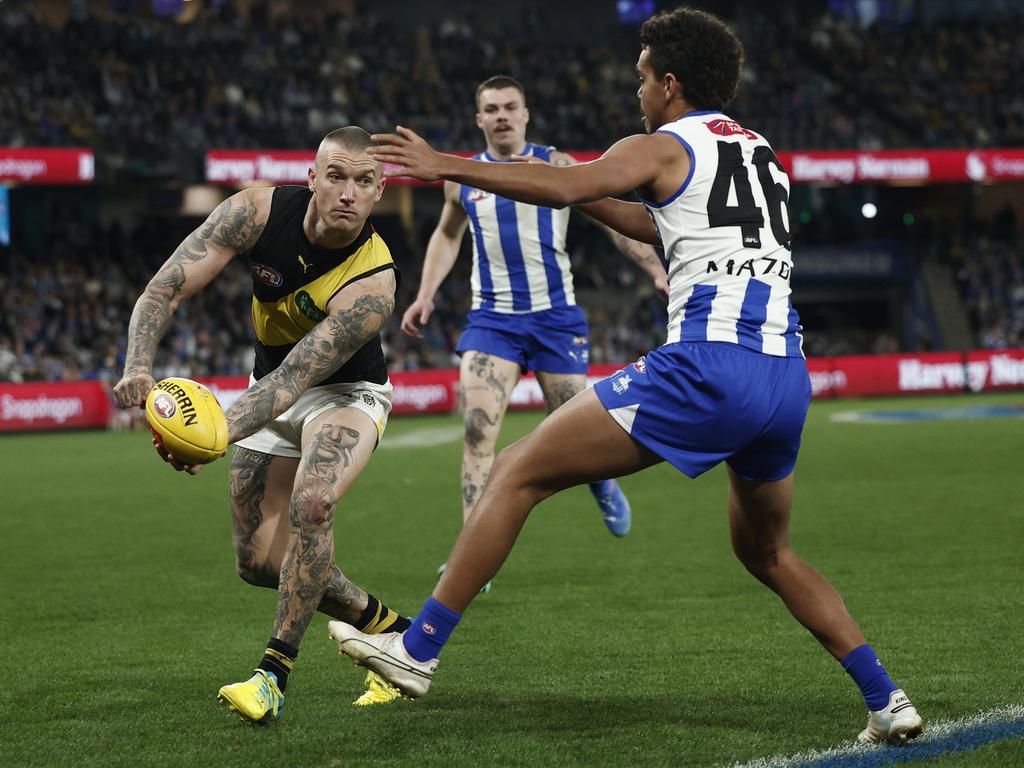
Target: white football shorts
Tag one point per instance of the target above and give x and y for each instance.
(283, 436)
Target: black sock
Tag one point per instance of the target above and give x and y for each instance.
(278, 659)
(378, 618)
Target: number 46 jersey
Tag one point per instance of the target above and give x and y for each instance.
(726, 238)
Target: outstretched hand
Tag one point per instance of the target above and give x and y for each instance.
(408, 153)
(417, 314)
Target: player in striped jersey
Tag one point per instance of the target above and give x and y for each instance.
(524, 314)
(729, 385)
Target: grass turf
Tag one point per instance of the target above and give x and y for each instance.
(122, 614)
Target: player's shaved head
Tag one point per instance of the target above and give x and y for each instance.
(351, 138)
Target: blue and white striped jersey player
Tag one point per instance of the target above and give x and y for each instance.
(524, 314)
(729, 385)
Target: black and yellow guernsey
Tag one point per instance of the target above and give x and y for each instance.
(293, 281)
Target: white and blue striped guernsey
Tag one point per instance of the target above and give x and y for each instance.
(726, 238)
(519, 260)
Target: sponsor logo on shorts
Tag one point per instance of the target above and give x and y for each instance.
(429, 628)
(164, 405)
(641, 365)
(621, 384)
(268, 275)
(579, 341)
(369, 399)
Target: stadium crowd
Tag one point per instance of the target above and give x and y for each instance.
(990, 274)
(64, 310)
(151, 94)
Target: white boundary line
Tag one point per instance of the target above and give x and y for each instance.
(1013, 713)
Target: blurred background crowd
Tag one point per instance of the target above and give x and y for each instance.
(151, 86)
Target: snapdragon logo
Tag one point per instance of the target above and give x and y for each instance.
(58, 409)
(420, 396)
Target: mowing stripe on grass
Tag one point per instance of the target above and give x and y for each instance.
(427, 437)
(939, 739)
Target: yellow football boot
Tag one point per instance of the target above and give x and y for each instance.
(378, 691)
(257, 700)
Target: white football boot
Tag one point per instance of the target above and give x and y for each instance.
(898, 723)
(385, 654)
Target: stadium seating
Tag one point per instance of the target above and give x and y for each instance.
(151, 109)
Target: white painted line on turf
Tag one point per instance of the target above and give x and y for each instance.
(939, 739)
(919, 415)
(427, 437)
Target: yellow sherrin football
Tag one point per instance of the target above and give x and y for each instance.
(188, 419)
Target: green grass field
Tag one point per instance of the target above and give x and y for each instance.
(122, 614)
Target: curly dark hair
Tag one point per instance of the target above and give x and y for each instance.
(698, 48)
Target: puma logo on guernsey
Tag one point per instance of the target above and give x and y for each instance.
(308, 307)
(303, 263)
(188, 411)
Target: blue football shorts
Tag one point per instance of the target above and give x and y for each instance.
(696, 404)
(553, 340)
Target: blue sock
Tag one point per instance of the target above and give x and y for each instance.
(870, 676)
(430, 630)
(603, 488)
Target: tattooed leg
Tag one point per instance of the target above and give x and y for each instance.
(336, 447)
(261, 486)
(560, 388)
(485, 385)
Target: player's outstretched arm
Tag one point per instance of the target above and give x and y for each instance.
(629, 219)
(637, 251)
(233, 228)
(355, 316)
(442, 252)
(636, 162)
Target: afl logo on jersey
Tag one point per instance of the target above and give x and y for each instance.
(476, 195)
(268, 275)
(729, 128)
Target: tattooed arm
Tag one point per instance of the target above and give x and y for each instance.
(234, 227)
(641, 254)
(355, 315)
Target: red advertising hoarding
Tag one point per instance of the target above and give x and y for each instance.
(77, 404)
(925, 166)
(930, 373)
(273, 166)
(57, 165)
(904, 165)
(53, 405)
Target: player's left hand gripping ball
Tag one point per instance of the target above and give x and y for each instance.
(187, 420)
